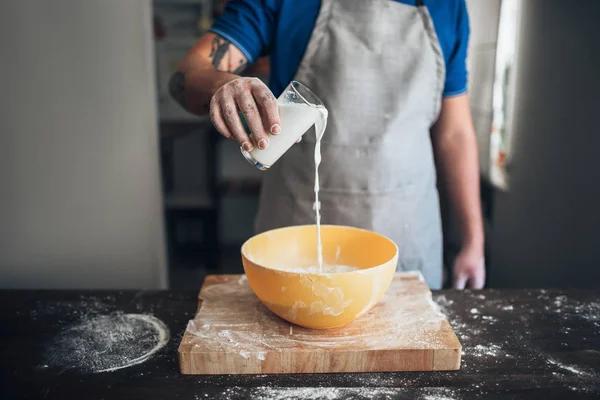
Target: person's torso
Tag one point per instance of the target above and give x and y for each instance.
(379, 70)
(296, 21)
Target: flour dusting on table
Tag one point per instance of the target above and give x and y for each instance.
(470, 325)
(569, 368)
(104, 343)
(475, 319)
(331, 393)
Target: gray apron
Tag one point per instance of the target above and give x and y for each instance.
(378, 68)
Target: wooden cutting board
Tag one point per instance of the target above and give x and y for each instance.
(233, 333)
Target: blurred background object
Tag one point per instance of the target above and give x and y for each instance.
(101, 171)
(534, 88)
(211, 192)
(79, 167)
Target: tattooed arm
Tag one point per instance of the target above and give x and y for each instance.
(208, 82)
(212, 62)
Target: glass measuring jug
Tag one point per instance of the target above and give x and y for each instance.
(299, 109)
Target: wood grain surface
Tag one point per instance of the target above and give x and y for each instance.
(233, 333)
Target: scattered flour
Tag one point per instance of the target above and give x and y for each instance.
(586, 311)
(81, 308)
(434, 397)
(471, 328)
(105, 343)
(326, 393)
(568, 367)
(331, 393)
(491, 350)
(474, 327)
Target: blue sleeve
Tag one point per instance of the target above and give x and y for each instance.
(249, 25)
(456, 63)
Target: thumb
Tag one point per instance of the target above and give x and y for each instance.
(460, 281)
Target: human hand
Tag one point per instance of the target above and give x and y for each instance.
(469, 269)
(256, 102)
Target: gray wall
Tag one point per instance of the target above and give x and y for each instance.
(547, 226)
(80, 201)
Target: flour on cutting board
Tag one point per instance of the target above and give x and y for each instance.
(253, 330)
(105, 343)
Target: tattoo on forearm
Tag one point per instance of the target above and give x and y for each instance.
(221, 59)
(240, 67)
(220, 54)
(177, 88)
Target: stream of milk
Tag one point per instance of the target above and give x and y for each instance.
(296, 119)
(320, 125)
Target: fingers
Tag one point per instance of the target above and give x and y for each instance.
(474, 280)
(249, 109)
(268, 107)
(216, 116)
(477, 281)
(224, 115)
(225, 118)
(460, 281)
(234, 124)
(250, 100)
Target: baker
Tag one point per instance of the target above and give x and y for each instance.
(392, 74)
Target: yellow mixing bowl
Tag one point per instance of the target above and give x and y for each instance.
(312, 300)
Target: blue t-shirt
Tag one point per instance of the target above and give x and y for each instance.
(282, 29)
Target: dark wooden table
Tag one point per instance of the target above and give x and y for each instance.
(517, 344)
